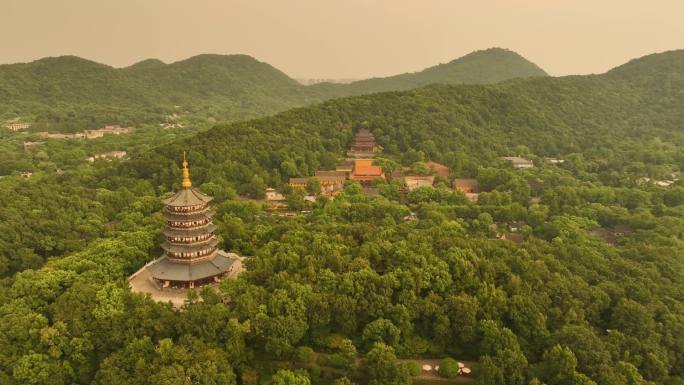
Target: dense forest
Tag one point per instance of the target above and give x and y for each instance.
(70, 94)
(622, 125)
(345, 291)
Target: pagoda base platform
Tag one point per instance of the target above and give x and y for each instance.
(144, 281)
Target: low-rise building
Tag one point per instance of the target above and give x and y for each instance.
(516, 226)
(331, 181)
(107, 130)
(554, 161)
(413, 182)
(108, 156)
(273, 195)
(365, 173)
(347, 167)
(660, 183)
(88, 134)
(664, 183)
(519, 162)
(299, 183)
(48, 135)
(363, 162)
(17, 126)
(466, 186)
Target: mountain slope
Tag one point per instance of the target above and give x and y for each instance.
(69, 88)
(66, 80)
(70, 92)
(463, 126)
(480, 67)
(213, 75)
(670, 62)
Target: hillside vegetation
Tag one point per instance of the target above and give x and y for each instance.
(69, 93)
(606, 118)
(342, 290)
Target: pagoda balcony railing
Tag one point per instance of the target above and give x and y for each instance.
(198, 227)
(172, 247)
(191, 255)
(201, 209)
(186, 217)
(188, 225)
(185, 209)
(184, 231)
(189, 240)
(192, 259)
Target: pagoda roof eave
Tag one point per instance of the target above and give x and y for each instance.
(187, 197)
(187, 217)
(166, 270)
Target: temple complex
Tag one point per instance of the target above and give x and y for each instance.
(191, 257)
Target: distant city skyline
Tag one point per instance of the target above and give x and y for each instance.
(352, 39)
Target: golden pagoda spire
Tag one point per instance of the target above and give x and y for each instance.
(186, 174)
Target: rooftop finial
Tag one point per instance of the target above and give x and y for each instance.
(186, 174)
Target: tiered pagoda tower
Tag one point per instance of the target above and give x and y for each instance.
(191, 255)
(363, 145)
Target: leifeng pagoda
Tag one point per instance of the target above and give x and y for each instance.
(191, 255)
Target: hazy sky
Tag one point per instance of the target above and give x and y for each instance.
(343, 38)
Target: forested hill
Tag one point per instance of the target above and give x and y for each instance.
(71, 93)
(561, 274)
(668, 63)
(463, 126)
(480, 67)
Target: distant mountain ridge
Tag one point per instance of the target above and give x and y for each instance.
(71, 91)
(668, 61)
(488, 66)
(548, 116)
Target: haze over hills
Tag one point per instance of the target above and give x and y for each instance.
(72, 92)
(670, 62)
(453, 124)
(567, 272)
(480, 67)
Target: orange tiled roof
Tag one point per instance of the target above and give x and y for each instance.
(368, 170)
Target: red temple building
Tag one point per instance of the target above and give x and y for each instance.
(366, 173)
